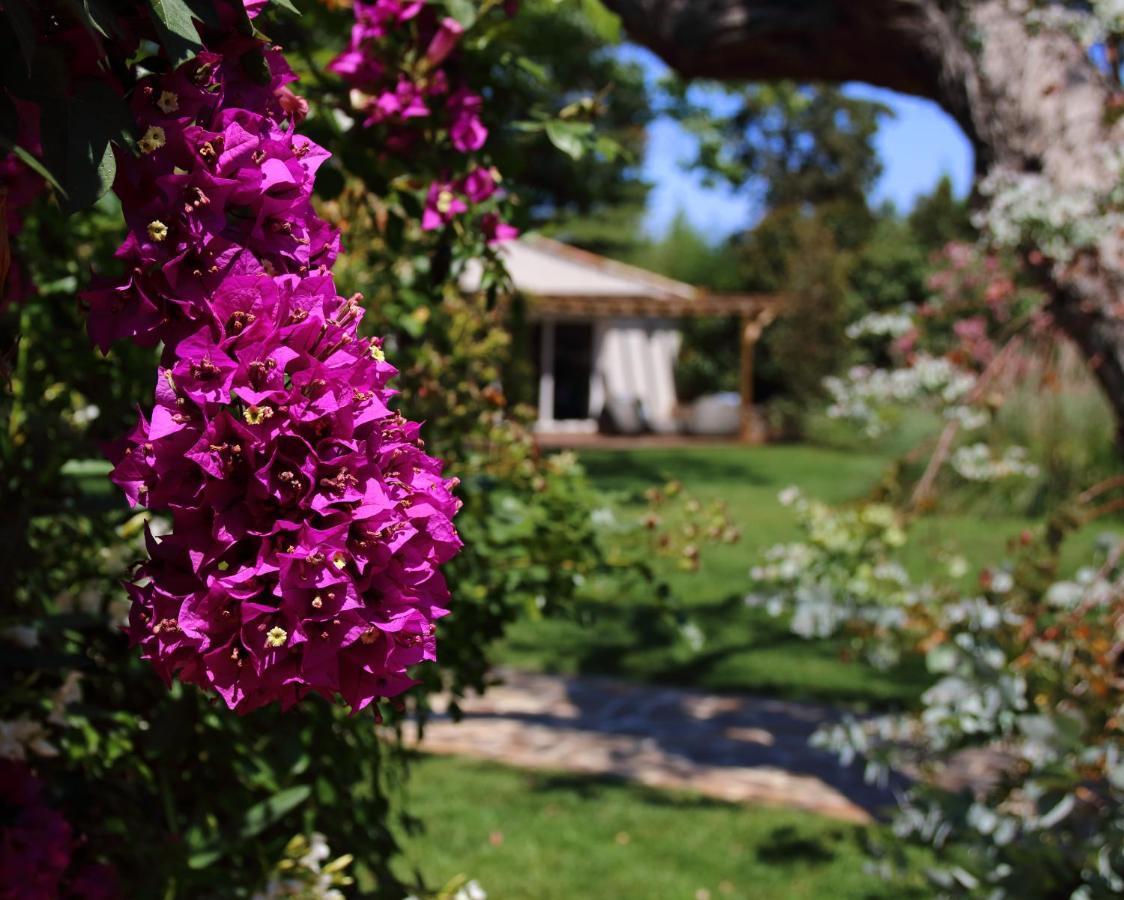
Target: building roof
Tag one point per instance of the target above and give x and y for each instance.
(560, 279)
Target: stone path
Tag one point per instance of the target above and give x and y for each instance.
(741, 749)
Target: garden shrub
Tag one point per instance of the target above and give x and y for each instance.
(1026, 656)
(161, 787)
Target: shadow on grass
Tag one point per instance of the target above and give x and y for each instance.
(640, 641)
(787, 846)
(593, 787)
(634, 471)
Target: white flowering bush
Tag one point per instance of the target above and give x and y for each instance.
(978, 341)
(979, 462)
(843, 572)
(866, 394)
(1094, 22)
(1014, 756)
(883, 324)
(1027, 210)
(1027, 681)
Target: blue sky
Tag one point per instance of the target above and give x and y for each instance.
(917, 146)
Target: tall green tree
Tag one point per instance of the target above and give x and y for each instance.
(802, 146)
(807, 154)
(684, 253)
(592, 192)
(940, 216)
(889, 269)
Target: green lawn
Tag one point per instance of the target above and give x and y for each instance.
(543, 836)
(540, 836)
(744, 649)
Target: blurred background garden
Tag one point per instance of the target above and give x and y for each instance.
(771, 358)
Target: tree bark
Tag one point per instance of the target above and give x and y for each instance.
(1028, 98)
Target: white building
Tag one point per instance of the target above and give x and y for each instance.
(607, 336)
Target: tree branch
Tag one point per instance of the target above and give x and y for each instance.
(808, 40)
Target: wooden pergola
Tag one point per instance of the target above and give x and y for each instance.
(755, 313)
(565, 283)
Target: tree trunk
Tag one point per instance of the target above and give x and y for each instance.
(1029, 99)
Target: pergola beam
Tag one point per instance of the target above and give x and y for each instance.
(596, 306)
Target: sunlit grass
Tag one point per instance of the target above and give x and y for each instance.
(745, 649)
(542, 836)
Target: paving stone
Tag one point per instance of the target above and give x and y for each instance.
(741, 749)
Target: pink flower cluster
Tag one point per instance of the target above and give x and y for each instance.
(308, 524)
(394, 66)
(36, 844)
(973, 298)
(387, 95)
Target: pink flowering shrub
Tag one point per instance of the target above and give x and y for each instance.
(399, 67)
(308, 524)
(289, 495)
(973, 307)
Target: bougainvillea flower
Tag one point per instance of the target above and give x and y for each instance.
(449, 33)
(478, 185)
(405, 101)
(442, 205)
(431, 109)
(308, 527)
(466, 131)
(496, 231)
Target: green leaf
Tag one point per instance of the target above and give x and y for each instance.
(85, 468)
(605, 23)
(77, 138)
(261, 815)
(175, 24)
(205, 12)
(567, 136)
(94, 17)
(288, 5)
(464, 11)
(203, 859)
(102, 19)
(35, 165)
(532, 68)
(608, 147)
